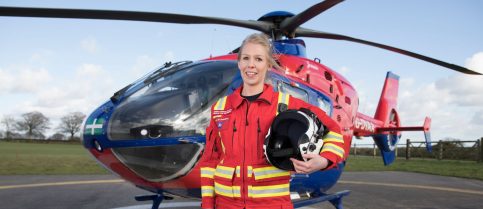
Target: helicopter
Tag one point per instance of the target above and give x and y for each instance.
(134, 136)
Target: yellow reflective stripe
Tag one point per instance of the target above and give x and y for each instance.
(228, 191)
(237, 171)
(269, 191)
(269, 172)
(207, 191)
(334, 149)
(207, 172)
(225, 172)
(283, 98)
(220, 104)
(249, 171)
(333, 137)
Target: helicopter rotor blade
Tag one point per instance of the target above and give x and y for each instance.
(303, 32)
(290, 24)
(131, 15)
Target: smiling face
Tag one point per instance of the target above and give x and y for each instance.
(253, 63)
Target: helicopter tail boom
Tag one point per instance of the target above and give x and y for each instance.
(385, 127)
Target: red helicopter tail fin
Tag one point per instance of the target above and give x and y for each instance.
(386, 113)
(387, 132)
(388, 100)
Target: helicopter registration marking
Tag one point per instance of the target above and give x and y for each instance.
(364, 125)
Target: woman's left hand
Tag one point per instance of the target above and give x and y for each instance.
(314, 163)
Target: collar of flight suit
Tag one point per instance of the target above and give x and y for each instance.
(236, 99)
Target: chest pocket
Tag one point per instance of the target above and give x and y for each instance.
(220, 115)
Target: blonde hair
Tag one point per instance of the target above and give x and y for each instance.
(263, 40)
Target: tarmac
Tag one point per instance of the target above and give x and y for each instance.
(369, 190)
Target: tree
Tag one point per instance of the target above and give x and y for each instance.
(33, 124)
(71, 123)
(57, 136)
(8, 121)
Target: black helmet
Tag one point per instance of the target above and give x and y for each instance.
(292, 133)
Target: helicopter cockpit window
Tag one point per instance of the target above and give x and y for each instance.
(173, 104)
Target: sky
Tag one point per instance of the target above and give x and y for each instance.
(58, 66)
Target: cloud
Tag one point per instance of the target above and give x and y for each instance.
(344, 70)
(146, 63)
(463, 90)
(31, 79)
(89, 71)
(478, 118)
(90, 45)
(23, 79)
(475, 62)
(6, 81)
(91, 84)
(455, 103)
(143, 65)
(88, 87)
(41, 56)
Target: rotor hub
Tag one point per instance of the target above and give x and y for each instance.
(276, 17)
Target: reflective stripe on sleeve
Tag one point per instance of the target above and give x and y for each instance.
(207, 172)
(333, 149)
(227, 191)
(269, 172)
(333, 137)
(207, 191)
(269, 191)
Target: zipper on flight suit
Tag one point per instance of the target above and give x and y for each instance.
(233, 134)
(245, 175)
(246, 113)
(258, 136)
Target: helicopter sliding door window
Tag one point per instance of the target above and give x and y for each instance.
(293, 90)
(321, 101)
(324, 105)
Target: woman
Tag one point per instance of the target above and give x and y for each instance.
(234, 170)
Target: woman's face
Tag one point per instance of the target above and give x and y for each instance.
(253, 64)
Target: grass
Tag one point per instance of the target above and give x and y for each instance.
(464, 169)
(17, 158)
(47, 159)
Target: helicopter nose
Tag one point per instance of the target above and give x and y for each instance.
(156, 129)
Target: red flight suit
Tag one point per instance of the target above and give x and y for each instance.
(234, 170)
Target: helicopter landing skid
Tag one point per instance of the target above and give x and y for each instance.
(335, 199)
(156, 198)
